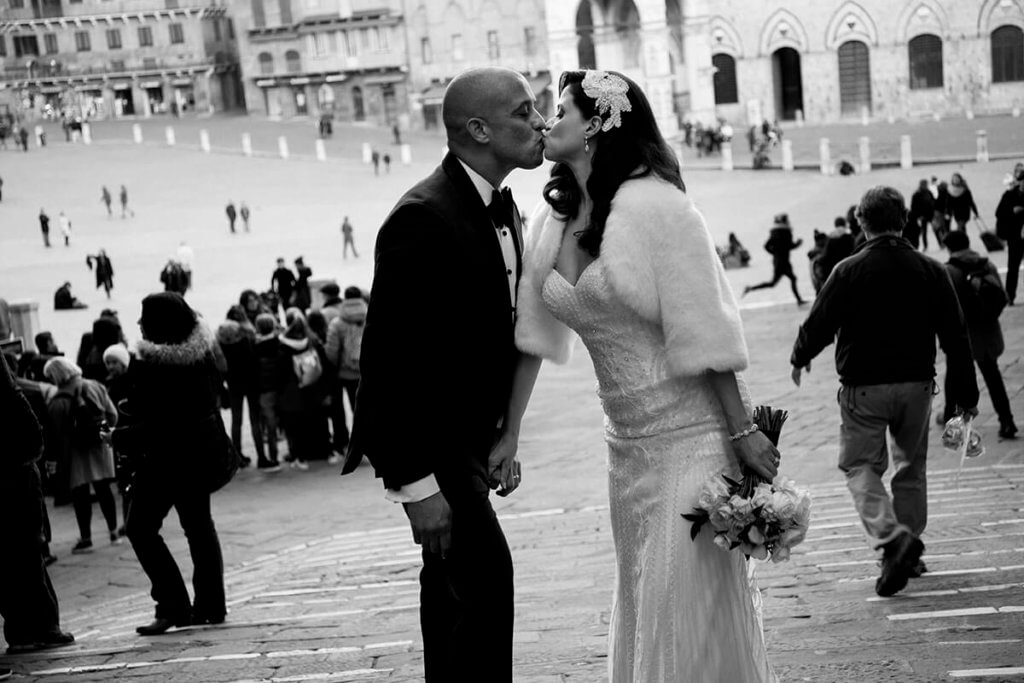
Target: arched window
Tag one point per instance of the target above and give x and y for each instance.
(266, 63)
(585, 52)
(725, 79)
(293, 62)
(1007, 54)
(925, 62)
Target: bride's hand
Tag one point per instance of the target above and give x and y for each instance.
(503, 469)
(757, 453)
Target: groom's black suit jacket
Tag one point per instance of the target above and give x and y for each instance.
(437, 355)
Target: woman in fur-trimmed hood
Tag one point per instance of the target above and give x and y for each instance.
(173, 400)
(620, 255)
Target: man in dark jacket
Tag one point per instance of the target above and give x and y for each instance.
(967, 268)
(883, 308)
(1010, 227)
(922, 210)
(840, 245)
(282, 281)
(447, 231)
(780, 243)
(27, 601)
(237, 340)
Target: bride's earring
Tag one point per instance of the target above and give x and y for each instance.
(586, 144)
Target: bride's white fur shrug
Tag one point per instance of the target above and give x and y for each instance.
(659, 258)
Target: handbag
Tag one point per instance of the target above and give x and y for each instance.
(218, 462)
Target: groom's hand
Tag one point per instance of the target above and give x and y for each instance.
(431, 522)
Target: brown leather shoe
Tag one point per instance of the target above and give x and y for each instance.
(900, 557)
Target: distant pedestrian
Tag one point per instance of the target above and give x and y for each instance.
(839, 245)
(343, 349)
(346, 233)
(397, 133)
(282, 282)
(375, 160)
(186, 258)
(387, 162)
(106, 198)
(104, 270)
(63, 300)
(883, 308)
(125, 211)
(961, 201)
(940, 219)
(302, 298)
(1, 189)
(28, 603)
(174, 278)
(982, 298)
(82, 415)
(922, 211)
(65, 228)
(244, 213)
(1010, 227)
(780, 243)
(23, 136)
(44, 227)
(232, 214)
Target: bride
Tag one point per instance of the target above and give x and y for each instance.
(619, 255)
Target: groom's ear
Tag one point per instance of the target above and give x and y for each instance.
(478, 130)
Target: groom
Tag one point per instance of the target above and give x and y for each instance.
(437, 369)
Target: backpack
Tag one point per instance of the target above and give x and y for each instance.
(87, 422)
(351, 346)
(307, 367)
(989, 296)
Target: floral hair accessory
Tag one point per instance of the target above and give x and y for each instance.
(609, 91)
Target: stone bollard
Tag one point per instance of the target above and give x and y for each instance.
(824, 156)
(321, 151)
(982, 147)
(864, 146)
(906, 157)
(282, 146)
(204, 140)
(787, 155)
(800, 118)
(405, 151)
(367, 153)
(86, 133)
(865, 116)
(137, 133)
(727, 156)
(24, 320)
(246, 144)
(40, 136)
(169, 132)
(1015, 112)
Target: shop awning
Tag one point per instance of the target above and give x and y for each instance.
(384, 79)
(433, 95)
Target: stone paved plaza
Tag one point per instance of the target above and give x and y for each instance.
(322, 571)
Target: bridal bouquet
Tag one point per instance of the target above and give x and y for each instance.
(761, 518)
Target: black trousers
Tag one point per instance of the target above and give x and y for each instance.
(781, 270)
(27, 601)
(339, 421)
(252, 398)
(466, 599)
(153, 496)
(1015, 247)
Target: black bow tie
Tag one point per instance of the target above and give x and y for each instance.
(501, 208)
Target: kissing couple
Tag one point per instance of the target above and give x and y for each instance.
(617, 254)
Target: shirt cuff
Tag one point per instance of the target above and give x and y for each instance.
(414, 492)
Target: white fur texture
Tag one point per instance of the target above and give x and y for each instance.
(660, 259)
(537, 331)
(190, 352)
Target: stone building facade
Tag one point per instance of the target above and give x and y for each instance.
(810, 59)
(342, 58)
(446, 37)
(104, 59)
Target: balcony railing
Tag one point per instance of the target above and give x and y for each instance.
(59, 70)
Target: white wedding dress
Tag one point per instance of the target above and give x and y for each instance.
(683, 611)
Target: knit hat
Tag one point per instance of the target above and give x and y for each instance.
(118, 351)
(265, 324)
(166, 318)
(330, 289)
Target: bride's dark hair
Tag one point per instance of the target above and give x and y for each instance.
(632, 150)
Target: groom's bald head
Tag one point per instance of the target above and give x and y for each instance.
(477, 93)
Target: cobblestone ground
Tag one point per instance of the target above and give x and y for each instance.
(322, 572)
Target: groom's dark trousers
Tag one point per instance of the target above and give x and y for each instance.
(437, 364)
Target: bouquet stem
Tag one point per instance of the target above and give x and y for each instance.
(769, 421)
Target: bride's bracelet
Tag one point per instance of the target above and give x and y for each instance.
(745, 433)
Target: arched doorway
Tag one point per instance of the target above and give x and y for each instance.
(627, 33)
(854, 78)
(585, 52)
(789, 87)
(358, 112)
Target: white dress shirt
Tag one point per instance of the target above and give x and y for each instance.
(426, 487)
